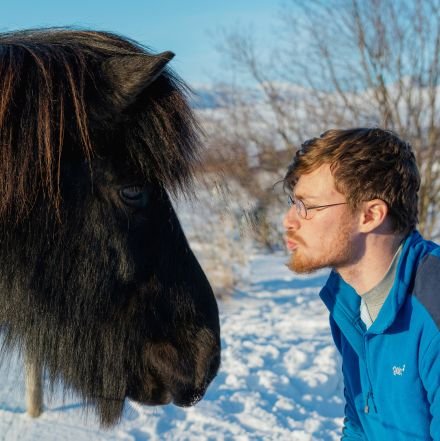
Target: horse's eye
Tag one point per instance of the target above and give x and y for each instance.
(134, 196)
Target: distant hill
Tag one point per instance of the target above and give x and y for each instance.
(213, 97)
(206, 98)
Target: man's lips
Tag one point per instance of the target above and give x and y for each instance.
(291, 244)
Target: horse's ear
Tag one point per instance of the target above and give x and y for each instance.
(129, 75)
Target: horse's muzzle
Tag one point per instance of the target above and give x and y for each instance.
(187, 396)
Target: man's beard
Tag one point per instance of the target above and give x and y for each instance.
(334, 254)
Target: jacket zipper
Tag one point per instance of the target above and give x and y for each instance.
(367, 406)
(370, 392)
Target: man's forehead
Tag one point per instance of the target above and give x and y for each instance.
(316, 184)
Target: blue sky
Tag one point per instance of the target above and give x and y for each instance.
(186, 27)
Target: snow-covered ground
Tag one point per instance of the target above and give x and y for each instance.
(279, 379)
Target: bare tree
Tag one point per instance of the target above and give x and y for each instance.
(345, 63)
(246, 160)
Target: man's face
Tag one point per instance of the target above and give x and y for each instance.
(328, 238)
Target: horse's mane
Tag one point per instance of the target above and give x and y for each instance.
(51, 89)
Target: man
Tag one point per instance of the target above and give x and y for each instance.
(353, 196)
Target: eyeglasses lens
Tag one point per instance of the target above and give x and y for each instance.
(299, 205)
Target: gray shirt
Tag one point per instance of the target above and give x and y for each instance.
(372, 300)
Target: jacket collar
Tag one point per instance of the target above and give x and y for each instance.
(343, 302)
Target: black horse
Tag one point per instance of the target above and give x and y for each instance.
(98, 285)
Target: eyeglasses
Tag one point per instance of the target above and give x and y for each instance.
(302, 210)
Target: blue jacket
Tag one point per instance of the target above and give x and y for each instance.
(392, 371)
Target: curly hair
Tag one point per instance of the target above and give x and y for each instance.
(366, 163)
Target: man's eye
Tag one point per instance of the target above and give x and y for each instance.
(134, 196)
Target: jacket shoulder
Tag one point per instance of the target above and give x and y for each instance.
(427, 284)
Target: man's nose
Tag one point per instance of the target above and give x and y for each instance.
(291, 219)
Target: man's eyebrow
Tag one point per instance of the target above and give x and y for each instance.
(304, 196)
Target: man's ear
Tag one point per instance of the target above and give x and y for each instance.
(373, 214)
(129, 75)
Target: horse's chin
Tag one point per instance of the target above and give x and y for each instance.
(161, 399)
(166, 398)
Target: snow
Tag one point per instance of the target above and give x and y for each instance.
(279, 380)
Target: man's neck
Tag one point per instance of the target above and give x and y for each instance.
(372, 263)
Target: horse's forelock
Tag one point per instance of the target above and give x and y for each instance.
(43, 83)
(41, 87)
